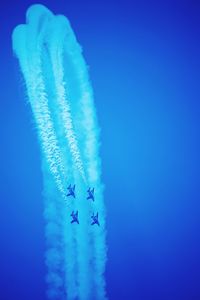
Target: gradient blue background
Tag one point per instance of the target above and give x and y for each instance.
(144, 59)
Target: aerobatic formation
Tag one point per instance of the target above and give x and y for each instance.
(61, 99)
(74, 216)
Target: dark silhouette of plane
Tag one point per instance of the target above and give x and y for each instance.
(90, 194)
(74, 217)
(95, 219)
(71, 191)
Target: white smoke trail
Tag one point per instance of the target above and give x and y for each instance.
(94, 171)
(29, 52)
(56, 49)
(66, 247)
(90, 148)
(30, 63)
(64, 112)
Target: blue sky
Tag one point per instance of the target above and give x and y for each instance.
(144, 62)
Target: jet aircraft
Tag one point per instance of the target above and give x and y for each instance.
(71, 190)
(90, 194)
(74, 217)
(95, 219)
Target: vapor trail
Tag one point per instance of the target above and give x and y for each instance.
(28, 47)
(30, 62)
(57, 39)
(88, 132)
(61, 99)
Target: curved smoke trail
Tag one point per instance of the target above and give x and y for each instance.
(55, 44)
(61, 99)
